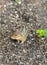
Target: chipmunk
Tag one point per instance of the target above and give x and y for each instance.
(21, 35)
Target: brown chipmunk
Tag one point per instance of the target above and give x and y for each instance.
(21, 35)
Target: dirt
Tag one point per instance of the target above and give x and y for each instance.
(29, 12)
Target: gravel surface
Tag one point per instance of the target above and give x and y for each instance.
(12, 15)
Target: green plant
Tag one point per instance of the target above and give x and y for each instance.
(42, 33)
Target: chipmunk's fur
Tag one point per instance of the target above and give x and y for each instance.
(21, 35)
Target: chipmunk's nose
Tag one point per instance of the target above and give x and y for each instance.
(12, 37)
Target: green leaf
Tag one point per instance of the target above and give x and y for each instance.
(17, 1)
(41, 33)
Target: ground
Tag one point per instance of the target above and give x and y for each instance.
(34, 50)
